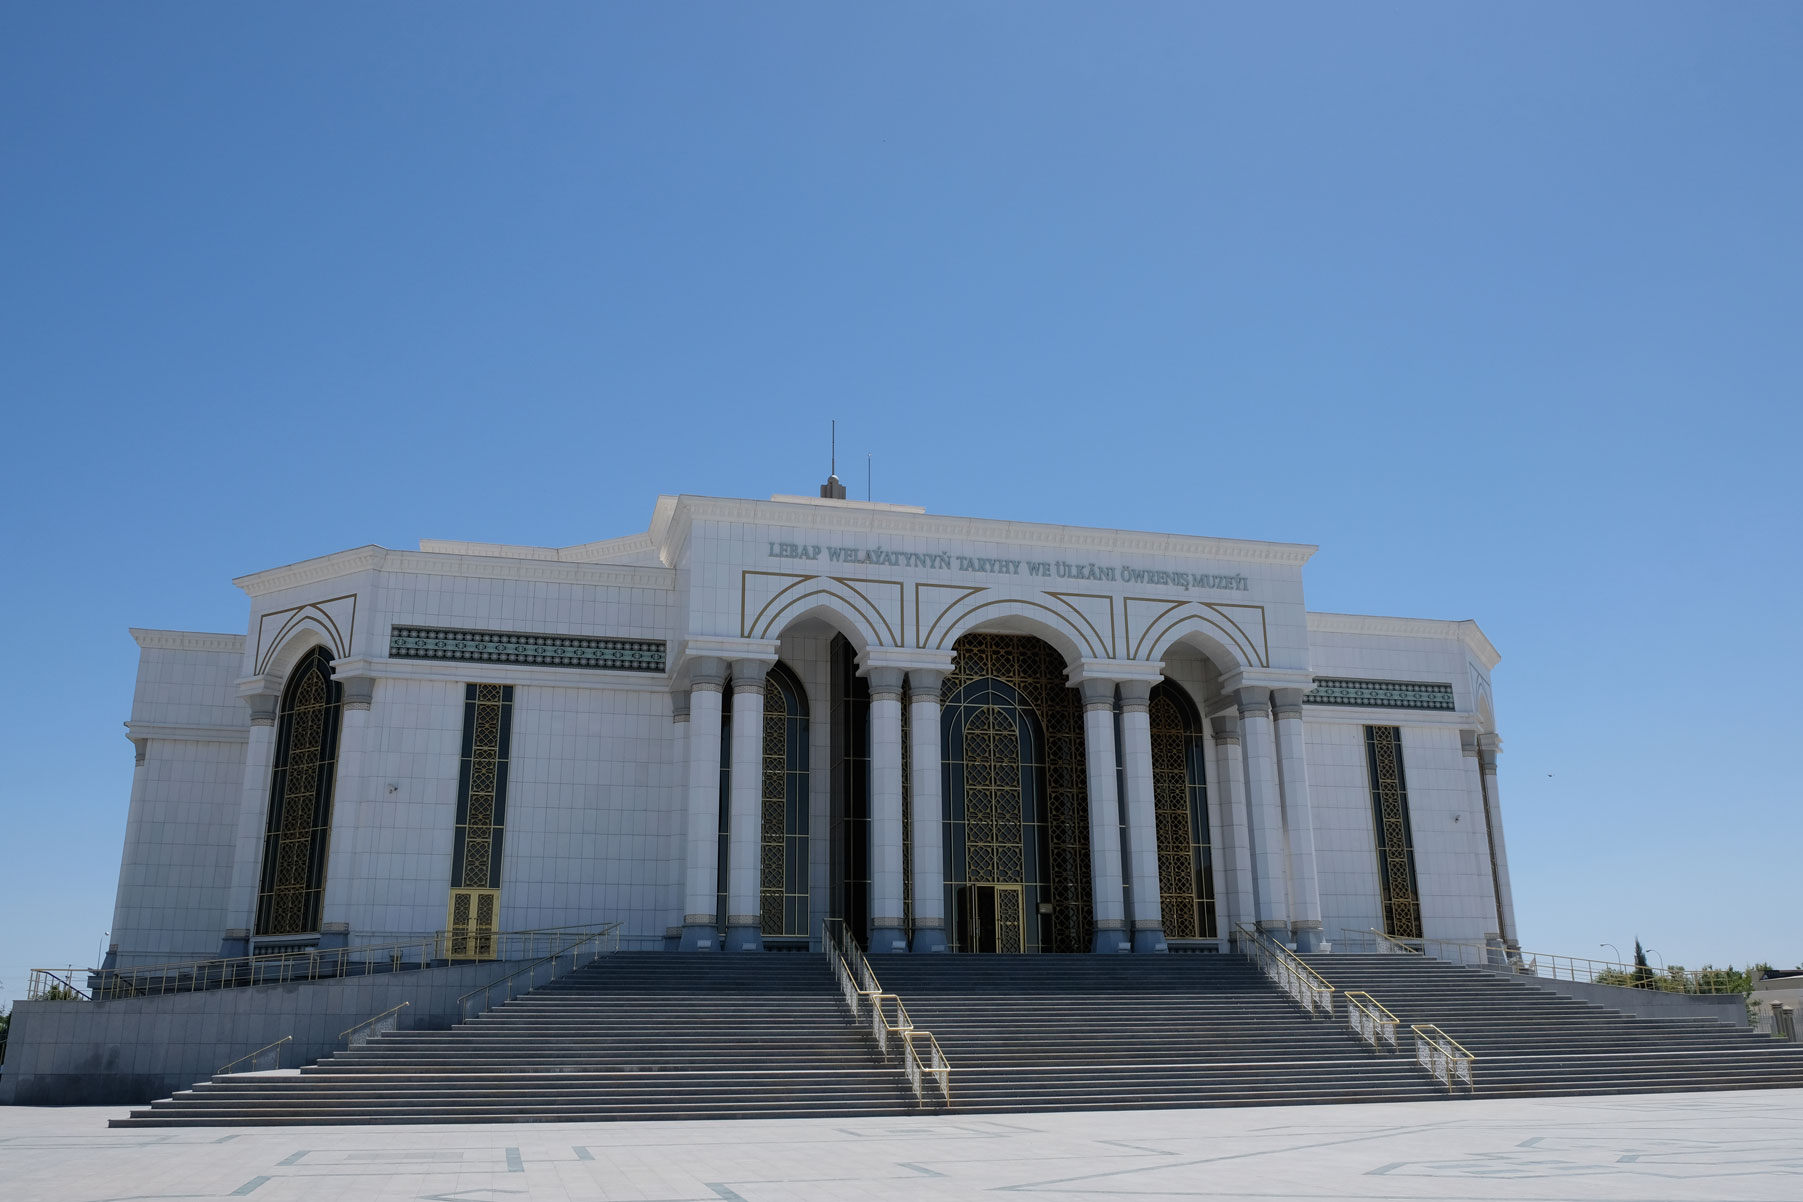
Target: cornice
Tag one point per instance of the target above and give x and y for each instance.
(863, 519)
(1463, 630)
(1361, 715)
(187, 640)
(381, 559)
(139, 731)
(604, 551)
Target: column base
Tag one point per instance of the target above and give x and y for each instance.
(699, 937)
(1111, 941)
(235, 944)
(889, 939)
(334, 935)
(928, 939)
(1150, 939)
(1308, 939)
(744, 939)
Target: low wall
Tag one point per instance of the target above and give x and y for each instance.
(134, 1050)
(1729, 1008)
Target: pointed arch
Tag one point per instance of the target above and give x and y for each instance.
(784, 879)
(297, 835)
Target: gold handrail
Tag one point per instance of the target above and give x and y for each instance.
(1308, 988)
(1370, 1020)
(252, 1056)
(1443, 1056)
(530, 972)
(366, 1022)
(1559, 967)
(859, 987)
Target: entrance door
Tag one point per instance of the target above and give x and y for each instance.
(989, 919)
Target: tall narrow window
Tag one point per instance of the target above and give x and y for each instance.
(1186, 883)
(1395, 839)
(850, 775)
(298, 837)
(783, 874)
(784, 881)
(481, 819)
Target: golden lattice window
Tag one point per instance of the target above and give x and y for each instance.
(1395, 838)
(297, 838)
(1180, 816)
(482, 786)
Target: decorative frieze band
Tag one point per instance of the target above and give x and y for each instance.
(1381, 694)
(506, 647)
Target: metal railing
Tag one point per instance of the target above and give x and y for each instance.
(398, 953)
(1498, 958)
(586, 950)
(923, 1060)
(54, 985)
(1304, 985)
(262, 1060)
(1370, 1021)
(369, 1028)
(1443, 1056)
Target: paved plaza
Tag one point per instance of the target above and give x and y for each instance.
(1715, 1146)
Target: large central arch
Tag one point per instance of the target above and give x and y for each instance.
(1017, 875)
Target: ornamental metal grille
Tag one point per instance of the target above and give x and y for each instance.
(1180, 814)
(1016, 804)
(784, 870)
(1381, 694)
(1395, 838)
(482, 786)
(539, 650)
(298, 835)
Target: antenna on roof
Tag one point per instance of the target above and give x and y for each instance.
(832, 489)
(867, 495)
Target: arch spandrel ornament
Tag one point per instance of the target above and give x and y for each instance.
(871, 613)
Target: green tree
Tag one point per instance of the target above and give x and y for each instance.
(1643, 972)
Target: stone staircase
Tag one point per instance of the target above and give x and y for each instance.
(637, 1035)
(1531, 1042)
(1114, 1032)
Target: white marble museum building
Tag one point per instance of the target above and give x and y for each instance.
(954, 734)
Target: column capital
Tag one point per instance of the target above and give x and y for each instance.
(262, 708)
(1097, 694)
(1267, 678)
(1486, 760)
(358, 691)
(705, 657)
(748, 675)
(1226, 727)
(706, 673)
(679, 706)
(1136, 696)
(1254, 701)
(1287, 702)
(925, 682)
(1468, 743)
(885, 683)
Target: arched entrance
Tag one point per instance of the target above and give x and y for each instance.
(1186, 885)
(1016, 813)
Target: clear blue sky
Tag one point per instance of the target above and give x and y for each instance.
(1497, 304)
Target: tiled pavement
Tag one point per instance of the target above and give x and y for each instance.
(1648, 1148)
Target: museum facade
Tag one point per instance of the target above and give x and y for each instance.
(954, 734)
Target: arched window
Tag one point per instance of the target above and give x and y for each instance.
(784, 879)
(1186, 885)
(1016, 809)
(298, 836)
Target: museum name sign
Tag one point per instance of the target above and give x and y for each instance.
(946, 561)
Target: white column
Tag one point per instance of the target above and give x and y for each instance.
(1142, 817)
(886, 934)
(702, 786)
(929, 809)
(1104, 818)
(1264, 810)
(1488, 749)
(253, 818)
(1236, 857)
(347, 890)
(745, 858)
(1292, 757)
(677, 805)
